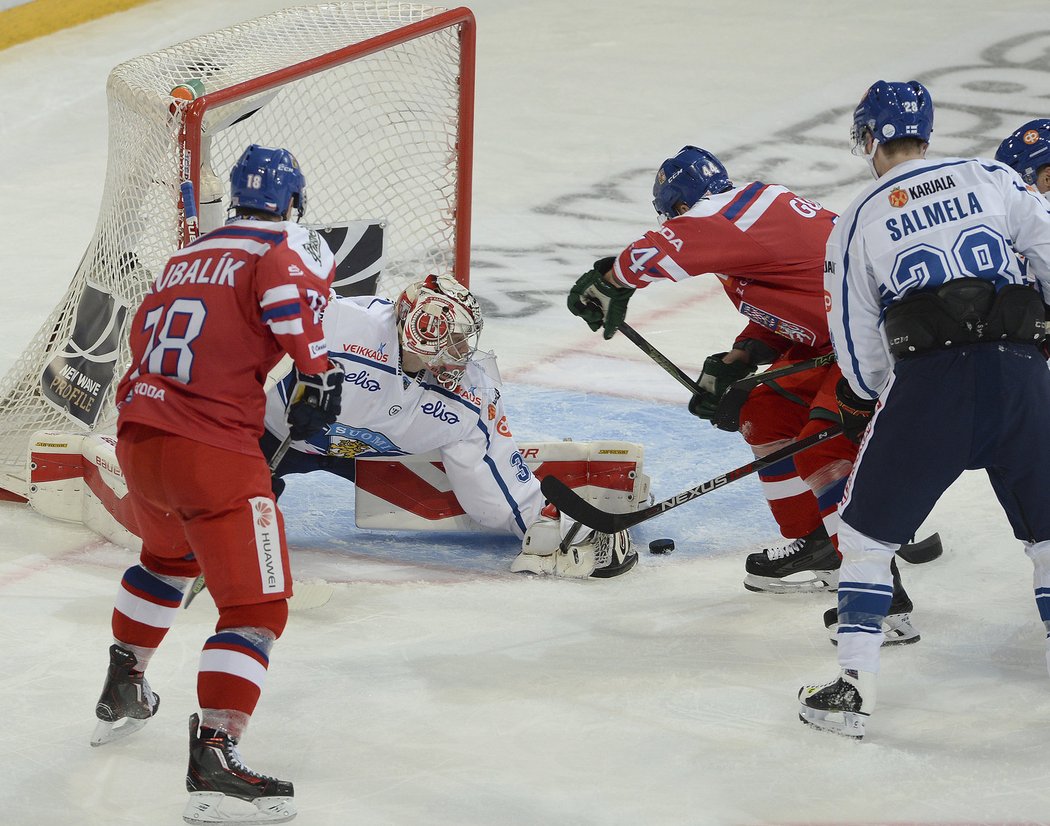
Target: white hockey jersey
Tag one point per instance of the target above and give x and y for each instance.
(387, 413)
(923, 223)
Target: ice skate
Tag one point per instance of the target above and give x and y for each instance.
(216, 774)
(127, 701)
(809, 563)
(896, 628)
(841, 706)
(896, 625)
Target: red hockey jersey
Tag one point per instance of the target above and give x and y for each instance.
(216, 321)
(765, 243)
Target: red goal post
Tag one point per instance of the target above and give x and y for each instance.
(376, 101)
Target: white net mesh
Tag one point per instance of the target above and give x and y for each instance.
(377, 137)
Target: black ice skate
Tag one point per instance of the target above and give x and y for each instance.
(809, 563)
(127, 701)
(216, 771)
(841, 706)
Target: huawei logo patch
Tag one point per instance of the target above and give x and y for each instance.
(898, 197)
(263, 513)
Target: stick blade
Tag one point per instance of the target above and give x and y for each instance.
(566, 500)
(920, 552)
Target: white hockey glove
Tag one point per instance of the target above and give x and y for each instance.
(315, 401)
(590, 554)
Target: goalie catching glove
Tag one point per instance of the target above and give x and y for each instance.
(715, 379)
(315, 401)
(598, 302)
(546, 549)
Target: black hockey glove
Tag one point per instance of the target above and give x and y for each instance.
(315, 401)
(598, 302)
(717, 377)
(854, 411)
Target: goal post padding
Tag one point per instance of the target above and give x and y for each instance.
(375, 99)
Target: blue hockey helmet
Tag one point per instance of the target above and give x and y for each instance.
(890, 111)
(267, 180)
(690, 175)
(1027, 150)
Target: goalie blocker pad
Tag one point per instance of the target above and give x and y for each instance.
(76, 478)
(407, 493)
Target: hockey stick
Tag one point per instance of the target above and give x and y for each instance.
(189, 210)
(738, 388)
(727, 413)
(569, 502)
(669, 366)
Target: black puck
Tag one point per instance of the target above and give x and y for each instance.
(661, 546)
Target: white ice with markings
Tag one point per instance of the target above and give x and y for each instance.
(437, 688)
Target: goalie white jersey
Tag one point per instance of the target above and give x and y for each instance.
(388, 413)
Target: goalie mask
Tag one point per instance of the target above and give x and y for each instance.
(440, 323)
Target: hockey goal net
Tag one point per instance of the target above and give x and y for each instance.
(375, 99)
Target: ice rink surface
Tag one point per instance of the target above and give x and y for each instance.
(437, 688)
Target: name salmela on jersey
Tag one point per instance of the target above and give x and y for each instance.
(387, 413)
(929, 222)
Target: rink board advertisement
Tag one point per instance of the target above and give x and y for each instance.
(76, 380)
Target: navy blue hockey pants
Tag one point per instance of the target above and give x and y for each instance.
(977, 406)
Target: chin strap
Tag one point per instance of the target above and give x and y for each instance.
(870, 158)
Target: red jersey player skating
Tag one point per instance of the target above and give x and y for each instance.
(766, 245)
(218, 317)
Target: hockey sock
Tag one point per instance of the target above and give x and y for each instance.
(790, 499)
(231, 677)
(865, 594)
(1039, 553)
(144, 610)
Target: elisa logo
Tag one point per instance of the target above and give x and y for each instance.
(263, 513)
(501, 427)
(898, 197)
(1030, 137)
